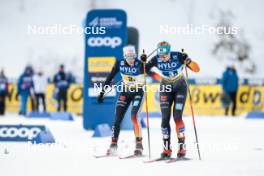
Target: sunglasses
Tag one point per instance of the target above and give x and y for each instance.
(163, 50)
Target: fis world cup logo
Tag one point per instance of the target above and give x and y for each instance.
(108, 22)
(94, 22)
(17, 132)
(112, 42)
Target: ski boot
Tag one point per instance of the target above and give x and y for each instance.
(139, 147)
(113, 147)
(181, 152)
(166, 154)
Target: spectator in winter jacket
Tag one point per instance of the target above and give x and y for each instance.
(32, 95)
(25, 89)
(230, 85)
(40, 88)
(3, 92)
(62, 84)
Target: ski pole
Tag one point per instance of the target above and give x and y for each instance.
(146, 98)
(151, 52)
(191, 105)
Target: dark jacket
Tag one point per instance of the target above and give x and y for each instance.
(3, 85)
(25, 82)
(61, 81)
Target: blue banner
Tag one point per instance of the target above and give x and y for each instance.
(102, 48)
(20, 133)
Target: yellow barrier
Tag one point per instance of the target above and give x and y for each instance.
(74, 99)
(206, 99)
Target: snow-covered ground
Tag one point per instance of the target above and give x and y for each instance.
(229, 146)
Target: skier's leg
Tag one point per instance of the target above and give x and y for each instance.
(179, 103)
(122, 105)
(136, 107)
(165, 106)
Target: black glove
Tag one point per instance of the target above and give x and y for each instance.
(143, 57)
(184, 56)
(100, 98)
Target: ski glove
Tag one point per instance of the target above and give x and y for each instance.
(184, 56)
(143, 57)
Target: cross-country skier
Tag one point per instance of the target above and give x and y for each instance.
(170, 67)
(131, 70)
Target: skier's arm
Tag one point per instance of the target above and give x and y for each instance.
(153, 63)
(112, 74)
(108, 81)
(192, 65)
(148, 67)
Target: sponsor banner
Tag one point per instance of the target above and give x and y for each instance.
(75, 99)
(101, 52)
(20, 133)
(98, 69)
(206, 99)
(213, 81)
(100, 64)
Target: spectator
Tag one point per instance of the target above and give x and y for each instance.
(25, 88)
(62, 84)
(3, 92)
(40, 87)
(71, 77)
(32, 93)
(230, 87)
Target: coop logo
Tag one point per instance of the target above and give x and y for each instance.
(18, 133)
(112, 42)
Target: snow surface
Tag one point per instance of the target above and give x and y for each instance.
(229, 146)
